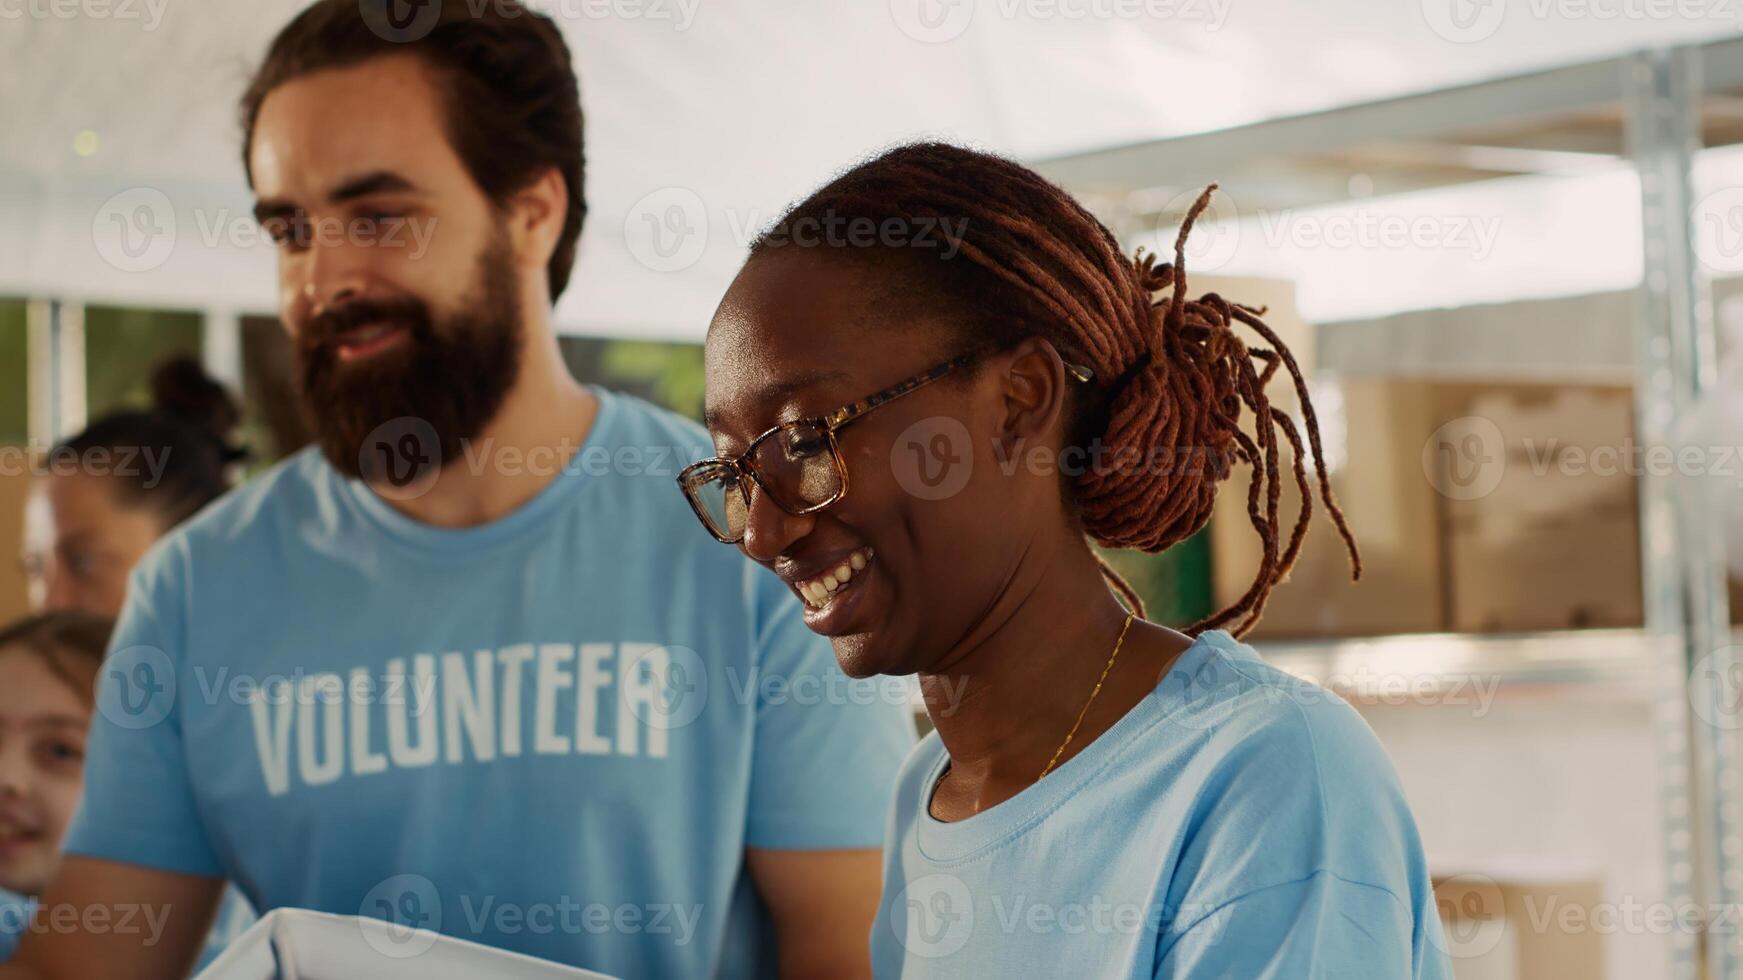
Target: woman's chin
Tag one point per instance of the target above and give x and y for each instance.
(862, 655)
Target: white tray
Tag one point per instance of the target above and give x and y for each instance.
(297, 944)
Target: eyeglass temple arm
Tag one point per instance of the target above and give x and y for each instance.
(848, 413)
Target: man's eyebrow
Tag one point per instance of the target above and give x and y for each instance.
(375, 182)
(779, 392)
(371, 183)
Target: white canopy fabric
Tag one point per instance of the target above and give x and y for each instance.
(707, 116)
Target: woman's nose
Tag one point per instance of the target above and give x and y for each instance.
(770, 531)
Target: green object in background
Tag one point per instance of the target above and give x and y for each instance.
(14, 373)
(1175, 584)
(667, 374)
(124, 346)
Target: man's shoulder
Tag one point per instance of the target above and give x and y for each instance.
(302, 487)
(642, 424)
(296, 484)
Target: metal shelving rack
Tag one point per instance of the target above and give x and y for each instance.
(1649, 111)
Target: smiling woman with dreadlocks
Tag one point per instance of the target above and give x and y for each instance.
(922, 436)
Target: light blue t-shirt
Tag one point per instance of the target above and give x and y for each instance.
(1236, 823)
(556, 733)
(15, 913)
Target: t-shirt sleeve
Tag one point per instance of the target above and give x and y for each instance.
(1320, 926)
(1300, 858)
(138, 806)
(827, 747)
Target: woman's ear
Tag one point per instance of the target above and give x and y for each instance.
(1032, 382)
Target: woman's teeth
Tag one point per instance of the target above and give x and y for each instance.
(818, 590)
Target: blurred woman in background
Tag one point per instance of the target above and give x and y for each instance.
(121, 484)
(111, 492)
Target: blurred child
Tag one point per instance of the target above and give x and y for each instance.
(48, 671)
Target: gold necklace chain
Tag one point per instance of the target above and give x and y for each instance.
(1104, 676)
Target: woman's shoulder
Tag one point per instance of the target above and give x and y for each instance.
(1228, 689)
(1288, 781)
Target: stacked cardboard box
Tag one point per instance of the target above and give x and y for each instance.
(1548, 535)
(1516, 921)
(1477, 507)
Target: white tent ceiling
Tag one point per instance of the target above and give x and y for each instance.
(727, 107)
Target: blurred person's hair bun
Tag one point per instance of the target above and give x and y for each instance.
(178, 453)
(181, 387)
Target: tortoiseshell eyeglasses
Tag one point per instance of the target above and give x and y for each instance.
(797, 464)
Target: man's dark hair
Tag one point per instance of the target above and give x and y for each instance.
(511, 100)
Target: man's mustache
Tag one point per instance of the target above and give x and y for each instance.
(325, 328)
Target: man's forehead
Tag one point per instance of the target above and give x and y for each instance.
(322, 129)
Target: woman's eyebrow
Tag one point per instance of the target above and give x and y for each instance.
(781, 391)
(778, 392)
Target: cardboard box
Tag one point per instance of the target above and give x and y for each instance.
(297, 944)
(1522, 921)
(1477, 507)
(1373, 432)
(1544, 534)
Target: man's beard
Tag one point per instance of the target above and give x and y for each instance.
(413, 408)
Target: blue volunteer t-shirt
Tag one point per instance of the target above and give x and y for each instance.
(1238, 822)
(556, 733)
(15, 913)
